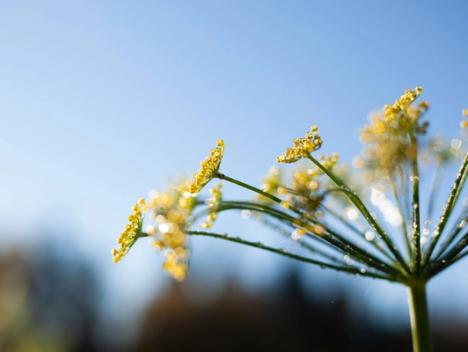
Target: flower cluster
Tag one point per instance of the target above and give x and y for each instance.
(208, 168)
(213, 205)
(132, 231)
(302, 147)
(387, 137)
(272, 184)
(440, 152)
(171, 214)
(307, 188)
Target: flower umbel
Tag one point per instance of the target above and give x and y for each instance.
(132, 231)
(271, 184)
(208, 168)
(387, 137)
(302, 147)
(171, 212)
(345, 235)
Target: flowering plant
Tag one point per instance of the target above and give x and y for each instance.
(321, 205)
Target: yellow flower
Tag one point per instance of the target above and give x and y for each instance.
(329, 162)
(387, 136)
(132, 231)
(208, 168)
(302, 147)
(271, 184)
(171, 213)
(213, 204)
(176, 264)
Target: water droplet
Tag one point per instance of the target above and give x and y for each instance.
(246, 214)
(363, 270)
(150, 230)
(164, 227)
(347, 259)
(352, 213)
(370, 236)
(296, 235)
(456, 143)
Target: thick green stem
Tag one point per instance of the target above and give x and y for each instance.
(420, 331)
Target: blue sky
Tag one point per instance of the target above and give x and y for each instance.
(102, 101)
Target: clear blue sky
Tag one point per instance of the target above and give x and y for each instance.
(102, 101)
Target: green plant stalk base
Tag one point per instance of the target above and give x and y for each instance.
(419, 316)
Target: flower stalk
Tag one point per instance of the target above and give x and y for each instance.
(419, 317)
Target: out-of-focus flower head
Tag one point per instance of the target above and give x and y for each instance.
(208, 168)
(272, 184)
(132, 231)
(302, 147)
(387, 137)
(213, 204)
(307, 190)
(440, 152)
(171, 213)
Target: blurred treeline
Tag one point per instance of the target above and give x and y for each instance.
(49, 301)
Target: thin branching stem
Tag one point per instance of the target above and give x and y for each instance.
(447, 259)
(335, 239)
(364, 211)
(448, 208)
(330, 237)
(354, 229)
(300, 242)
(416, 212)
(460, 224)
(348, 269)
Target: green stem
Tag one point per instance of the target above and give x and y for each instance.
(446, 259)
(460, 225)
(249, 187)
(351, 248)
(416, 236)
(348, 269)
(449, 205)
(330, 237)
(364, 211)
(301, 242)
(419, 316)
(357, 231)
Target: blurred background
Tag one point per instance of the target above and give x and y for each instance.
(102, 101)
